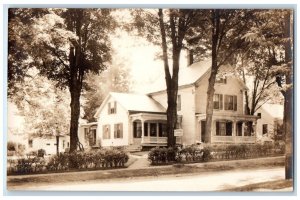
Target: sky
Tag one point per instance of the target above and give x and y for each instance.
(140, 57)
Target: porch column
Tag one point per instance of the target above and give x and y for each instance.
(157, 129)
(243, 127)
(254, 129)
(148, 125)
(213, 130)
(142, 121)
(130, 135)
(234, 130)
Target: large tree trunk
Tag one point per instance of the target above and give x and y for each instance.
(288, 104)
(75, 112)
(75, 86)
(213, 74)
(171, 83)
(171, 115)
(172, 101)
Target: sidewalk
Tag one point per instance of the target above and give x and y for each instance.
(140, 170)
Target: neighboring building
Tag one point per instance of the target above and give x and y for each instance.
(140, 120)
(269, 124)
(87, 135)
(48, 143)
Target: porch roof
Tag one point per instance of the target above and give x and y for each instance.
(236, 117)
(148, 116)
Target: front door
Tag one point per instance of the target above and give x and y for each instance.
(203, 124)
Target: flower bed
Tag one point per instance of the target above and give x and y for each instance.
(95, 159)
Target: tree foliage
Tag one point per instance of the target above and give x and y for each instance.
(66, 44)
(115, 79)
(44, 107)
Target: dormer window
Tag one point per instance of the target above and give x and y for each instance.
(112, 107)
(221, 80)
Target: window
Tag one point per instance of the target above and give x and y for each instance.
(239, 128)
(230, 102)
(137, 129)
(106, 131)
(68, 144)
(248, 128)
(259, 115)
(152, 129)
(145, 129)
(221, 80)
(265, 129)
(48, 144)
(64, 144)
(118, 130)
(223, 128)
(93, 137)
(162, 130)
(178, 102)
(218, 101)
(112, 107)
(30, 143)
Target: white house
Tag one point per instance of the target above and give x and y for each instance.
(270, 120)
(48, 143)
(140, 119)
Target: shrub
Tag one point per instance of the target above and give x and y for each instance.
(206, 154)
(191, 153)
(163, 155)
(60, 162)
(11, 146)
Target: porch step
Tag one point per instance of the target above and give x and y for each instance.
(133, 148)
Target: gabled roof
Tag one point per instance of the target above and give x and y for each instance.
(187, 76)
(275, 110)
(192, 74)
(134, 102)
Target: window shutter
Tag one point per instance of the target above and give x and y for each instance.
(115, 106)
(226, 102)
(115, 130)
(221, 101)
(235, 103)
(108, 137)
(121, 130)
(108, 106)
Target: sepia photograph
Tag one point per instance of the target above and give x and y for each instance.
(163, 99)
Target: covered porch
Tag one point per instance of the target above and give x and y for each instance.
(229, 128)
(148, 129)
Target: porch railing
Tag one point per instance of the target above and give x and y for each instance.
(233, 139)
(157, 140)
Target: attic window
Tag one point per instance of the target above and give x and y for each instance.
(222, 80)
(259, 115)
(30, 143)
(112, 107)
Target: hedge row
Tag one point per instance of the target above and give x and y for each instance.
(193, 153)
(171, 155)
(96, 159)
(240, 151)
